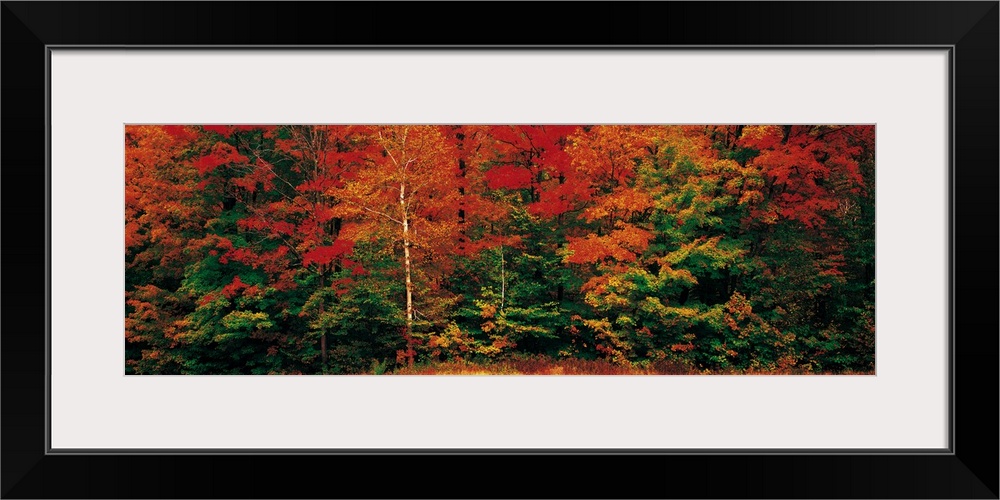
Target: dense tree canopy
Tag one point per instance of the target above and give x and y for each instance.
(399, 249)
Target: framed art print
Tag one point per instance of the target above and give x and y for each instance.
(328, 250)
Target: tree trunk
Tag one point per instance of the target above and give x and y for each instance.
(322, 343)
(461, 204)
(503, 279)
(322, 334)
(408, 268)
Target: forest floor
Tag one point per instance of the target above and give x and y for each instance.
(571, 366)
(541, 366)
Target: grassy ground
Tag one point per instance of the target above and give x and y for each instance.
(543, 366)
(549, 366)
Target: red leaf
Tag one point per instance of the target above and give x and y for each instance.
(180, 132)
(234, 288)
(326, 254)
(220, 154)
(508, 177)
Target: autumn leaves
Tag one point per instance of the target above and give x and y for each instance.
(332, 249)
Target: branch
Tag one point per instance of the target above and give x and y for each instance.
(376, 212)
(382, 140)
(267, 166)
(280, 236)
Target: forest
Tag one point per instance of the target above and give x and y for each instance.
(499, 249)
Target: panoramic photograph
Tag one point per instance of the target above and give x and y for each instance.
(537, 249)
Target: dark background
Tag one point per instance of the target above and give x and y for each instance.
(972, 472)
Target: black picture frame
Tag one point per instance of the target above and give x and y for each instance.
(968, 470)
